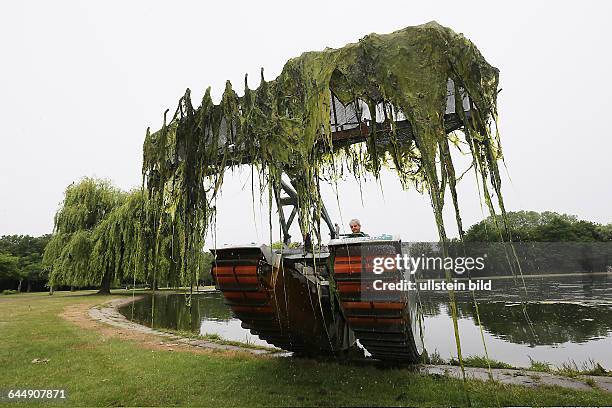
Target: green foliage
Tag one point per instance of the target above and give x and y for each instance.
(9, 266)
(86, 204)
(530, 226)
(283, 127)
(74, 261)
(570, 368)
(280, 245)
(68, 254)
(605, 231)
(100, 239)
(590, 367)
(480, 361)
(434, 358)
(594, 368)
(205, 269)
(117, 241)
(29, 251)
(23, 246)
(540, 366)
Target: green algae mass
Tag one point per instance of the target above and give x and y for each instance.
(283, 127)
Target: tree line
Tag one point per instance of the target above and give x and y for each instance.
(21, 266)
(531, 226)
(104, 237)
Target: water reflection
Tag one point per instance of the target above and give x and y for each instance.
(593, 289)
(551, 323)
(170, 311)
(207, 315)
(571, 318)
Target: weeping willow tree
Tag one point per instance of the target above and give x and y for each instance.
(68, 254)
(101, 237)
(283, 127)
(122, 247)
(117, 243)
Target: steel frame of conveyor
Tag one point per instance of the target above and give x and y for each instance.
(291, 200)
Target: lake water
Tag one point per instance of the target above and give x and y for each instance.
(553, 319)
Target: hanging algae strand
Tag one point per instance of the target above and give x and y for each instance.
(283, 127)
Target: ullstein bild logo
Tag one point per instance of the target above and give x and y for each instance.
(433, 285)
(411, 264)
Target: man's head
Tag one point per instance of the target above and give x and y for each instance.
(355, 226)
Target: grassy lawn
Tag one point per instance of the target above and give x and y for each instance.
(98, 371)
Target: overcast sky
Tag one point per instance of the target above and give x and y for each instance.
(81, 81)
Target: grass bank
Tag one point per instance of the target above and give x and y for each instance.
(568, 369)
(97, 370)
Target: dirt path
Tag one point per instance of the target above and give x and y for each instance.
(106, 320)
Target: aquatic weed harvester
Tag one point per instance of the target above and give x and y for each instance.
(403, 100)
